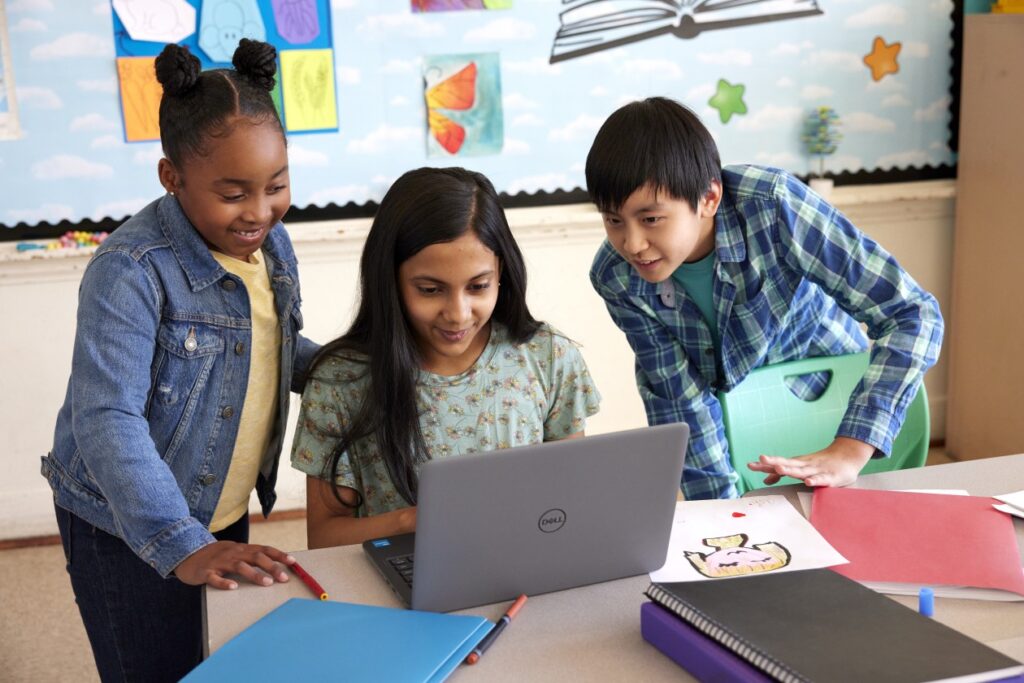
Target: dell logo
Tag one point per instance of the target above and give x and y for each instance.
(552, 520)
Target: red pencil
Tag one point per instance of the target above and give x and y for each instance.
(317, 589)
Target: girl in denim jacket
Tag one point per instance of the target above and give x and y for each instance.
(186, 348)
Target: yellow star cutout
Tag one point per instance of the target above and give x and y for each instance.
(882, 59)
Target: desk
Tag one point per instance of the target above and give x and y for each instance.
(593, 632)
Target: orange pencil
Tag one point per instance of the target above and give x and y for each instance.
(492, 635)
(317, 589)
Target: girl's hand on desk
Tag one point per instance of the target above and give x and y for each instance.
(837, 465)
(259, 564)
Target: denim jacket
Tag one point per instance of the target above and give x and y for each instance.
(161, 358)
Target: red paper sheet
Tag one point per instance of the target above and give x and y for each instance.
(920, 538)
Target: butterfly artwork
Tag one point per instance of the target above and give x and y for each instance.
(463, 97)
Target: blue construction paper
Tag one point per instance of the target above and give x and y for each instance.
(313, 640)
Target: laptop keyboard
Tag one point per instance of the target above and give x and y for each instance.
(403, 565)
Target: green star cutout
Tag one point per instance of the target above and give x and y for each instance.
(728, 100)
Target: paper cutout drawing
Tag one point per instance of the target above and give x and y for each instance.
(733, 557)
(454, 5)
(297, 21)
(592, 25)
(9, 129)
(882, 58)
(165, 21)
(222, 23)
(463, 97)
(307, 83)
(455, 92)
(140, 98)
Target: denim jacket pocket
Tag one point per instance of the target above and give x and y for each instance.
(186, 356)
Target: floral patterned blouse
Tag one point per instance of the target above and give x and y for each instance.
(515, 394)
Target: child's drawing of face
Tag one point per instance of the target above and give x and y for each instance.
(239, 190)
(449, 291)
(733, 557)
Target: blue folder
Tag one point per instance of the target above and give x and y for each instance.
(313, 640)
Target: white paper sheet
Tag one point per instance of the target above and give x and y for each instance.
(714, 539)
(158, 21)
(1010, 510)
(1015, 499)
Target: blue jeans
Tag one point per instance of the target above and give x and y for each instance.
(141, 627)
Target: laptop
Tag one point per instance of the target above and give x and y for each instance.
(535, 519)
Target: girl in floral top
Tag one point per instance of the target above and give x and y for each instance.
(443, 358)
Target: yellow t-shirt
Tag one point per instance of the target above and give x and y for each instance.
(257, 416)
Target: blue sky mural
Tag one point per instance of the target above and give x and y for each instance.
(71, 161)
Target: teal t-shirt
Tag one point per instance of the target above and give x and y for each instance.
(698, 280)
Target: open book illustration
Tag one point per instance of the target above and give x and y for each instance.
(590, 26)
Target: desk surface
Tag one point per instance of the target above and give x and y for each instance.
(593, 632)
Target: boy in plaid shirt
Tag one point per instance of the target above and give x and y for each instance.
(712, 272)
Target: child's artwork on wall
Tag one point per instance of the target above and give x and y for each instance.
(590, 26)
(307, 82)
(140, 97)
(211, 29)
(222, 23)
(168, 21)
(464, 112)
(455, 5)
(298, 21)
(719, 539)
(8, 104)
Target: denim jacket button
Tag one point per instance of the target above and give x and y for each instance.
(239, 348)
(228, 285)
(227, 412)
(208, 479)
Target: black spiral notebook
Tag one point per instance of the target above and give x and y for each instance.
(816, 625)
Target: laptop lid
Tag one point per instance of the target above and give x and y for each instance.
(544, 517)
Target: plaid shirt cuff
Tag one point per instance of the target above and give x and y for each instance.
(873, 426)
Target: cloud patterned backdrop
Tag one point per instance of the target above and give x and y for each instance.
(72, 162)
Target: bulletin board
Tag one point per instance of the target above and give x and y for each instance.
(515, 89)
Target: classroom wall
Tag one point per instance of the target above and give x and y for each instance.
(752, 84)
(38, 303)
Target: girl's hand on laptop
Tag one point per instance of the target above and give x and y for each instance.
(259, 564)
(837, 465)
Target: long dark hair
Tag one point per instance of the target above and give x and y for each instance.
(196, 105)
(423, 207)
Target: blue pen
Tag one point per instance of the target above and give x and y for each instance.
(926, 602)
(492, 635)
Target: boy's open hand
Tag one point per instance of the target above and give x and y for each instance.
(259, 564)
(837, 465)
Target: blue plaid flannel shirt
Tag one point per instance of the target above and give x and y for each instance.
(793, 277)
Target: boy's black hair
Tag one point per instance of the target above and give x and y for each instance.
(423, 207)
(196, 105)
(656, 142)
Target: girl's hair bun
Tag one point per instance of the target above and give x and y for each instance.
(257, 61)
(177, 69)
